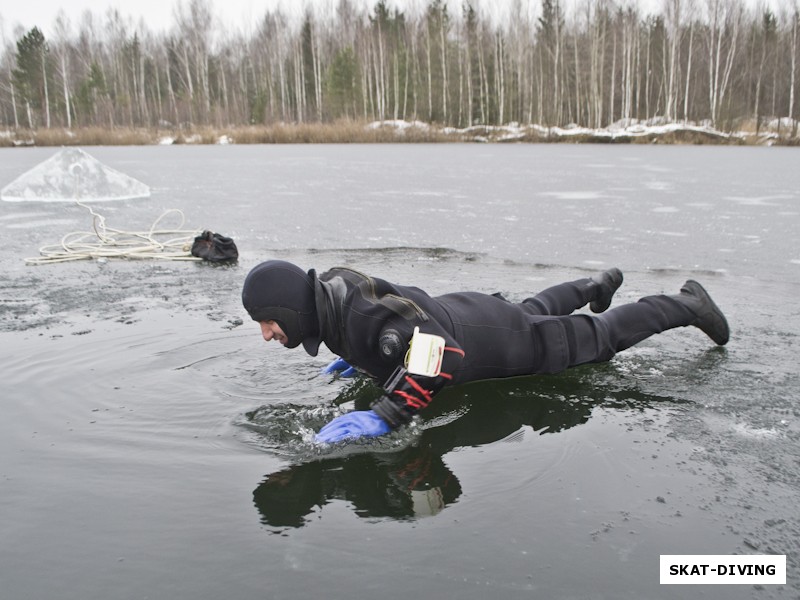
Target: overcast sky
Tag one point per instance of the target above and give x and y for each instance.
(158, 14)
(237, 14)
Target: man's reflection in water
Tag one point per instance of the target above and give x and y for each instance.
(411, 483)
(415, 482)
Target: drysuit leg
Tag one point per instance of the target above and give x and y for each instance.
(629, 324)
(600, 337)
(568, 341)
(561, 299)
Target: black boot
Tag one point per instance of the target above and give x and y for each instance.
(708, 317)
(607, 283)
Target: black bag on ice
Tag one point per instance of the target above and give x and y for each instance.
(214, 247)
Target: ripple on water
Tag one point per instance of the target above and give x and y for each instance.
(289, 429)
(116, 390)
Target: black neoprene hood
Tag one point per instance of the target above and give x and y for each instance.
(279, 291)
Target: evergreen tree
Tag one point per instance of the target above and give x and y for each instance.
(342, 85)
(30, 76)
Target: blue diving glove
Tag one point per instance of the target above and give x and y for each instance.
(353, 425)
(342, 367)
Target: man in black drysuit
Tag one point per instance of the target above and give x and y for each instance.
(369, 323)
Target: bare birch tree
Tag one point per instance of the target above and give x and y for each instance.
(724, 20)
(673, 27)
(795, 23)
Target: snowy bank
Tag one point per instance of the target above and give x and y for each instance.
(630, 130)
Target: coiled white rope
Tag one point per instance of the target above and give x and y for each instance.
(105, 242)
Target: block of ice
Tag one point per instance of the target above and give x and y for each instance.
(70, 175)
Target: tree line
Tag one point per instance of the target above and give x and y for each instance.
(717, 61)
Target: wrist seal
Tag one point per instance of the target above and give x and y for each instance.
(389, 411)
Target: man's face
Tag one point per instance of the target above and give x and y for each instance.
(272, 331)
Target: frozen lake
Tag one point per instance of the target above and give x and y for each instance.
(148, 436)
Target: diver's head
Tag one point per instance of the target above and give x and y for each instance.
(282, 292)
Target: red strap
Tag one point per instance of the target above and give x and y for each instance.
(425, 393)
(412, 401)
(456, 350)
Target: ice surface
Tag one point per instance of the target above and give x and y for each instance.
(574, 195)
(70, 175)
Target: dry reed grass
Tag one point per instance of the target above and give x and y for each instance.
(340, 132)
(89, 136)
(348, 132)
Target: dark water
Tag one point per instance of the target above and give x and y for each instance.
(152, 446)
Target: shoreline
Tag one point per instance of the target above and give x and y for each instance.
(656, 131)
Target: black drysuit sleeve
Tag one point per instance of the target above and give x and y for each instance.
(406, 393)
